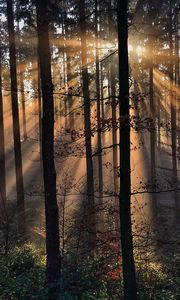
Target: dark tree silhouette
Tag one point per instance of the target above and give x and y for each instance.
(89, 162)
(125, 169)
(51, 209)
(2, 148)
(16, 128)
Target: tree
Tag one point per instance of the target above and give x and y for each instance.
(16, 128)
(100, 173)
(21, 73)
(130, 290)
(113, 100)
(152, 134)
(173, 102)
(89, 162)
(2, 148)
(53, 264)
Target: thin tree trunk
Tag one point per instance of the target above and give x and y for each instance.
(129, 275)
(113, 101)
(16, 128)
(101, 70)
(2, 150)
(40, 141)
(173, 107)
(88, 144)
(23, 109)
(102, 92)
(64, 79)
(69, 97)
(100, 172)
(152, 138)
(159, 119)
(152, 132)
(22, 92)
(177, 75)
(53, 264)
(114, 129)
(39, 112)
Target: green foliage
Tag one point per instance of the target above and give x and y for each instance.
(91, 278)
(21, 273)
(22, 276)
(160, 281)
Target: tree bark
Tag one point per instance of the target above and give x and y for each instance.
(64, 78)
(2, 150)
(173, 105)
(177, 74)
(113, 101)
(152, 138)
(88, 144)
(53, 264)
(129, 276)
(102, 93)
(23, 109)
(98, 95)
(152, 131)
(39, 112)
(22, 91)
(159, 119)
(16, 128)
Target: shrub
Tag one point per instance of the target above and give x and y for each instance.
(22, 275)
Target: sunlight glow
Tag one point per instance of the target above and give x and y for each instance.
(130, 48)
(140, 50)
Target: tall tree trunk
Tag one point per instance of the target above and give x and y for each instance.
(159, 119)
(39, 111)
(177, 74)
(114, 130)
(16, 128)
(23, 109)
(51, 208)
(88, 144)
(152, 132)
(98, 95)
(129, 275)
(64, 78)
(69, 97)
(40, 140)
(173, 105)
(113, 99)
(2, 150)
(22, 89)
(101, 69)
(102, 92)
(152, 138)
